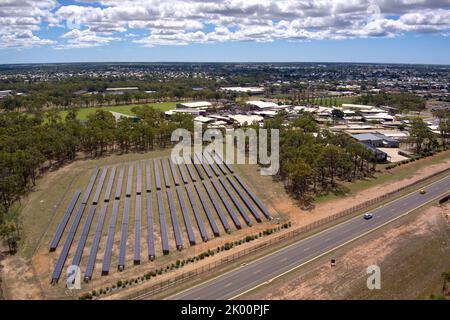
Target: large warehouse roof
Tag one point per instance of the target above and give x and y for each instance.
(198, 104)
(262, 104)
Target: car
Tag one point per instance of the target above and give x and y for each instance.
(423, 191)
(368, 216)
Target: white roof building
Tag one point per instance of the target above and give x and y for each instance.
(356, 106)
(262, 104)
(244, 89)
(190, 105)
(203, 119)
(242, 118)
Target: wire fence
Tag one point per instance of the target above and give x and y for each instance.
(262, 244)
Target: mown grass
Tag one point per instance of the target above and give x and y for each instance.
(125, 109)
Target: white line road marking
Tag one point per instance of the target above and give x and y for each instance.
(306, 249)
(228, 284)
(283, 260)
(282, 250)
(339, 246)
(257, 271)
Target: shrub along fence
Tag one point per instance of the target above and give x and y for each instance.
(181, 278)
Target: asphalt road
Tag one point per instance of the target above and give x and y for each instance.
(244, 278)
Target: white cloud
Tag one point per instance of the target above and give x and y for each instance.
(84, 39)
(19, 19)
(182, 22)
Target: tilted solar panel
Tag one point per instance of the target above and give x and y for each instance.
(148, 176)
(124, 235)
(173, 216)
(254, 198)
(208, 213)
(174, 172)
(236, 202)
(198, 218)
(216, 205)
(73, 229)
(162, 223)
(185, 212)
(109, 187)
(62, 225)
(247, 202)
(227, 205)
(157, 178)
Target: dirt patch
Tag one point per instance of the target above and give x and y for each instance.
(19, 280)
(411, 257)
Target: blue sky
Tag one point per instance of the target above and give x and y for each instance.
(183, 30)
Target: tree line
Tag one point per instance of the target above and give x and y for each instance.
(30, 144)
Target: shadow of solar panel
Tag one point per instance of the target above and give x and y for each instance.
(73, 229)
(208, 213)
(173, 216)
(227, 205)
(185, 212)
(62, 225)
(236, 202)
(162, 222)
(200, 224)
(216, 205)
(245, 199)
(254, 197)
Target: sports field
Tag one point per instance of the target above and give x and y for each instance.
(125, 109)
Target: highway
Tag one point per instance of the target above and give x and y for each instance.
(261, 271)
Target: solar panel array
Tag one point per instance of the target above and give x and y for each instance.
(137, 216)
(73, 229)
(150, 237)
(125, 218)
(62, 225)
(219, 194)
(161, 210)
(98, 230)
(112, 224)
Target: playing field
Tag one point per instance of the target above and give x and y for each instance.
(125, 109)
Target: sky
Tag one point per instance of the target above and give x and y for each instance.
(385, 31)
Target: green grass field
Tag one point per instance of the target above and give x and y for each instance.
(125, 109)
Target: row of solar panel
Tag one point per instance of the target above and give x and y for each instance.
(161, 209)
